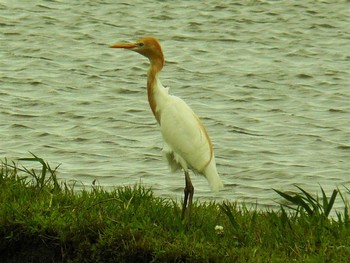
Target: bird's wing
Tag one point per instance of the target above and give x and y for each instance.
(184, 134)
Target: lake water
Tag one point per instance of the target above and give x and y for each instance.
(269, 79)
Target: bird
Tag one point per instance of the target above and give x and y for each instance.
(187, 145)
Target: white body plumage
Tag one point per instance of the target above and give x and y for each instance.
(187, 144)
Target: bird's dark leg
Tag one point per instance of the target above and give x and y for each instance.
(189, 191)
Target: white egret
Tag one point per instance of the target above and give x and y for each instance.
(186, 142)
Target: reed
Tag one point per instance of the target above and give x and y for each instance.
(45, 220)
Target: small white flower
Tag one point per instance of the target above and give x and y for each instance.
(219, 230)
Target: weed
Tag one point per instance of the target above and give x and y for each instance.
(313, 206)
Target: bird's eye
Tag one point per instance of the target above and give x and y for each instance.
(140, 44)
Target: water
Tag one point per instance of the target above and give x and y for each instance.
(269, 79)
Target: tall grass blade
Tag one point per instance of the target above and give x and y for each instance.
(41, 179)
(296, 200)
(331, 202)
(346, 208)
(226, 209)
(314, 203)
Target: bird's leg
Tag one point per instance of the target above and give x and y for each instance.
(189, 191)
(186, 192)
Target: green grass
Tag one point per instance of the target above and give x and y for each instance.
(44, 220)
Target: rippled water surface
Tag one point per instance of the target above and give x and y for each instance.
(269, 79)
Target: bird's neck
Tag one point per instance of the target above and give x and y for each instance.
(153, 87)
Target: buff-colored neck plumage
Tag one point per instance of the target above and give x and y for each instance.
(155, 55)
(150, 48)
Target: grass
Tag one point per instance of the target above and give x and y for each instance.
(44, 220)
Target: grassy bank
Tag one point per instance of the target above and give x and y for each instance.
(42, 220)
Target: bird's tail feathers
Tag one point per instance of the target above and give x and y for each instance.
(213, 177)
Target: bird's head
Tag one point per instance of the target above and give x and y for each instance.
(148, 47)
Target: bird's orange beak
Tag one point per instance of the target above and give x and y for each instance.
(124, 45)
